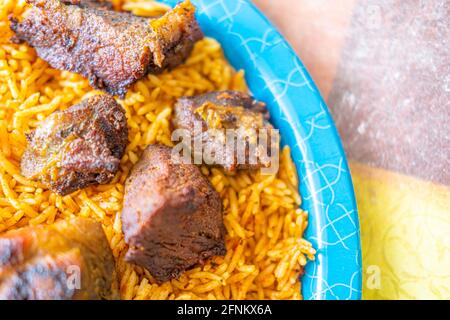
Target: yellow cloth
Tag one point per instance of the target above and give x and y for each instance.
(405, 230)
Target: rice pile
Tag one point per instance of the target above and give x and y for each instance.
(266, 252)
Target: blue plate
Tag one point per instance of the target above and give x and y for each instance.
(276, 76)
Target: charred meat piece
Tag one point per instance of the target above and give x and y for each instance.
(172, 216)
(67, 260)
(217, 112)
(112, 49)
(77, 147)
(101, 4)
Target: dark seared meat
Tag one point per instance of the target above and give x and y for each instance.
(103, 4)
(77, 147)
(112, 49)
(227, 110)
(66, 260)
(172, 216)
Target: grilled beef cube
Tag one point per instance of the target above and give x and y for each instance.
(112, 49)
(172, 217)
(67, 260)
(228, 110)
(77, 147)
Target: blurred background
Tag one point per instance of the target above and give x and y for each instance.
(383, 66)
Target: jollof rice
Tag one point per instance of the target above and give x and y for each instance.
(266, 249)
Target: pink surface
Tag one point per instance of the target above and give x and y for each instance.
(383, 68)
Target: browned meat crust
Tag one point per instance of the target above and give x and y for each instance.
(225, 110)
(42, 263)
(112, 49)
(77, 147)
(104, 4)
(172, 216)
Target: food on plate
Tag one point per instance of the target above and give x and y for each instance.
(265, 249)
(112, 49)
(69, 259)
(172, 216)
(77, 147)
(228, 110)
(103, 4)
